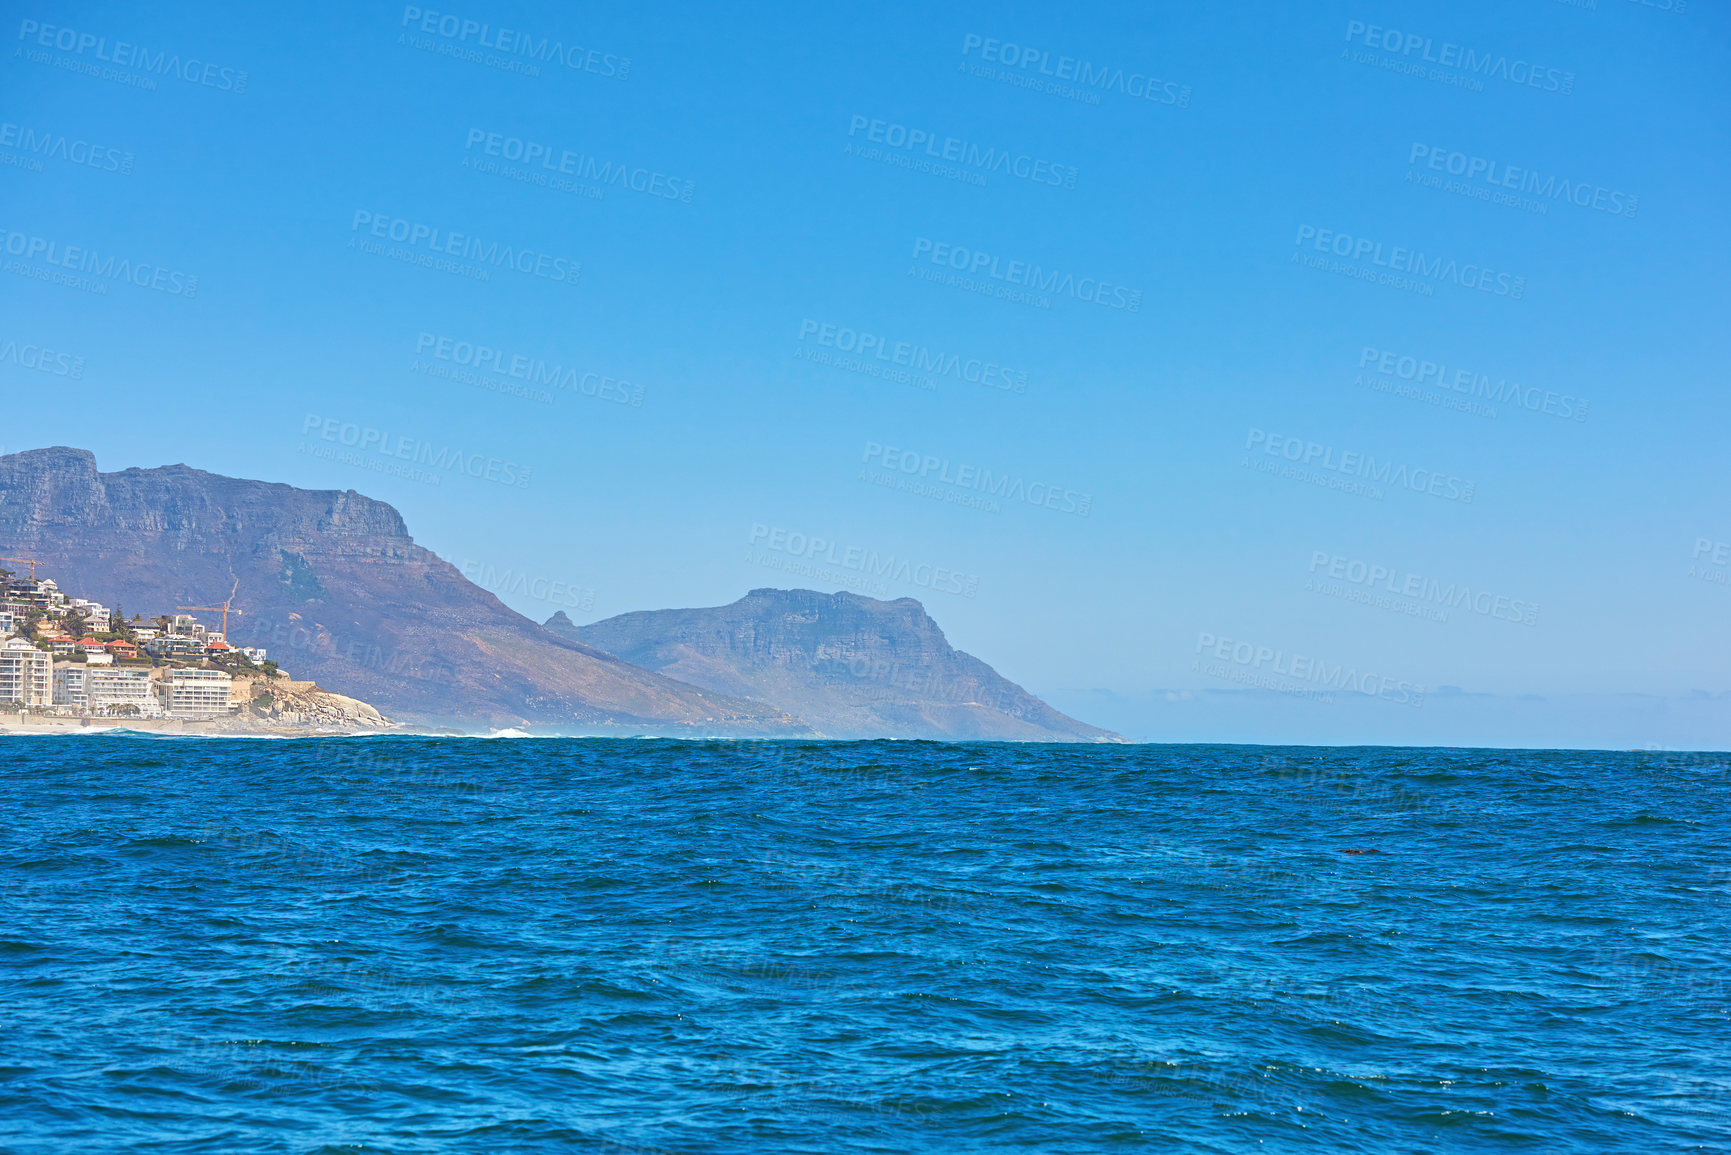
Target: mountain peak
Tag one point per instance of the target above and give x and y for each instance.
(840, 597)
(850, 665)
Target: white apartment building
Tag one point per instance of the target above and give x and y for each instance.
(196, 693)
(69, 684)
(26, 674)
(106, 687)
(98, 689)
(5, 621)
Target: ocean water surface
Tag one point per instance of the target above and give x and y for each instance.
(419, 945)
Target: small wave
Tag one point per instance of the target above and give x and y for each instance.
(1638, 820)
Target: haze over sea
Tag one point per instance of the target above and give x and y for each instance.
(423, 944)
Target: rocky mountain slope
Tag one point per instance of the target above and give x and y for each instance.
(333, 585)
(851, 666)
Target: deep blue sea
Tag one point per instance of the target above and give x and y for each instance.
(561, 945)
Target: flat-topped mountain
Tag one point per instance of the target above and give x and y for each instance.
(851, 666)
(334, 587)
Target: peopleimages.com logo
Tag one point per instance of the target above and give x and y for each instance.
(125, 55)
(1086, 76)
(41, 358)
(1260, 667)
(489, 362)
(913, 356)
(1469, 63)
(436, 241)
(459, 32)
(392, 447)
(1719, 552)
(1436, 375)
(541, 589)
(44, 144)
(1375, 577)
(1507, 179)
(87, 268)
(1411, 264)
(555, 160)
(1708, 555)
(1025, 274)
(1353, 466)
(931, 470)
(953, 150)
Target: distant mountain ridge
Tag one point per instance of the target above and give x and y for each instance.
(333, 585)
(851, 666)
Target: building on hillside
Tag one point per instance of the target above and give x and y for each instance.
(120, 649)
(255, 654)
(96, 615)
(176, 646)
(62, 644)
(90, 646)
(185, 625)
(48, 595)
(26, 674)
(196, 693)
(43, 595)
(6, 620)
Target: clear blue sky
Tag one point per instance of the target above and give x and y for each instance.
(791, 176)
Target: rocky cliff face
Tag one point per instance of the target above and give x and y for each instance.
(333, 585)
(280, 705)
(851, 666)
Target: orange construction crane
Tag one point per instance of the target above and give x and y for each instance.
(223, 609)
(29, 561)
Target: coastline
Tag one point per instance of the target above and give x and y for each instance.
(201, 727)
